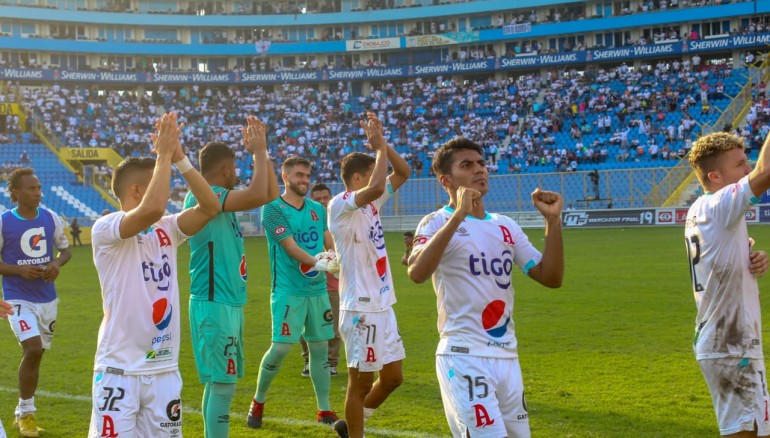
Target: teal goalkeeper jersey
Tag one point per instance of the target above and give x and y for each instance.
(217, 259)
(307, 226)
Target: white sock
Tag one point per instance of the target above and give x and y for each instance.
(368, 412)
(25, 406)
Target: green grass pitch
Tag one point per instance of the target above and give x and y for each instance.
(607, 355)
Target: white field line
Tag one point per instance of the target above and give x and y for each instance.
(283, 421)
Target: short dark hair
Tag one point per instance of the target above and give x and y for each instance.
(213, 154)
(443, 158)
(319, 187)
(15, 179)
(409, 233)
(355, 162)
(125, 171)
(290, 162)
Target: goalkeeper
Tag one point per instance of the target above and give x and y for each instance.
(297, 234)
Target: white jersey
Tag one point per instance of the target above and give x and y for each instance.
(728, 323)
(473, 282)
(365, 281)
(139, 333)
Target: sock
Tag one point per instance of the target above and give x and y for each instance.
(319, 373)
(368, 412)
(25, 406)
(268, 369)
(217, 398)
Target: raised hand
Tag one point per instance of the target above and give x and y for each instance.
(254, 135)
(374, 132)
(166, 139)
(467, 200)
(549, 204)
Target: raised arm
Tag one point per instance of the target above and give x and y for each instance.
(550, 271)
(401, 169)
(194, 219)
(376, 186)
(153, 203)
(759, 178)
(424, 262)
(257, 193)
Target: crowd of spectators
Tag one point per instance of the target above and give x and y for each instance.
(568, 121)
(265, 7)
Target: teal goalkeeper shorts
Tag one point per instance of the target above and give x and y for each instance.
(217, 334)
(309, 316)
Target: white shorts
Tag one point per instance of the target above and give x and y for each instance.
(483, 396)
(371, 339)
(739, 393)
(136, 406)
(33, 319)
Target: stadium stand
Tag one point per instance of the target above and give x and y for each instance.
(549, 91)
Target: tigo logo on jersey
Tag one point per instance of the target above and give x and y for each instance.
(499, 267)
(494, 320)
(376, 235)
(242, 268)
(382, 268)
(33, 242)
(161, 276)
(307, 271)
(161, 313)
(310, 239)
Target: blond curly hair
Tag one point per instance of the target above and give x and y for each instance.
(705, 153)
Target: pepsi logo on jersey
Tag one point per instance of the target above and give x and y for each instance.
(242, 268)
(307, 271)
(495, 319)
(382, 267)
(161, 313)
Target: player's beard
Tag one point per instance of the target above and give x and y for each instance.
(297, 189)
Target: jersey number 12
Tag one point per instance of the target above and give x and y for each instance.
(693, 253)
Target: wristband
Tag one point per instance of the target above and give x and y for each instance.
(184, 165)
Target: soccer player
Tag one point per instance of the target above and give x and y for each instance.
(321, 193)
(137, 385)
(218, 273)
(408, 245)
(29, 235)
(471, 253)
(296, 231)
(367, 321)
(723, 269)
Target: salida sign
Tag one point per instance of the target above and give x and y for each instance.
(86, 154)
